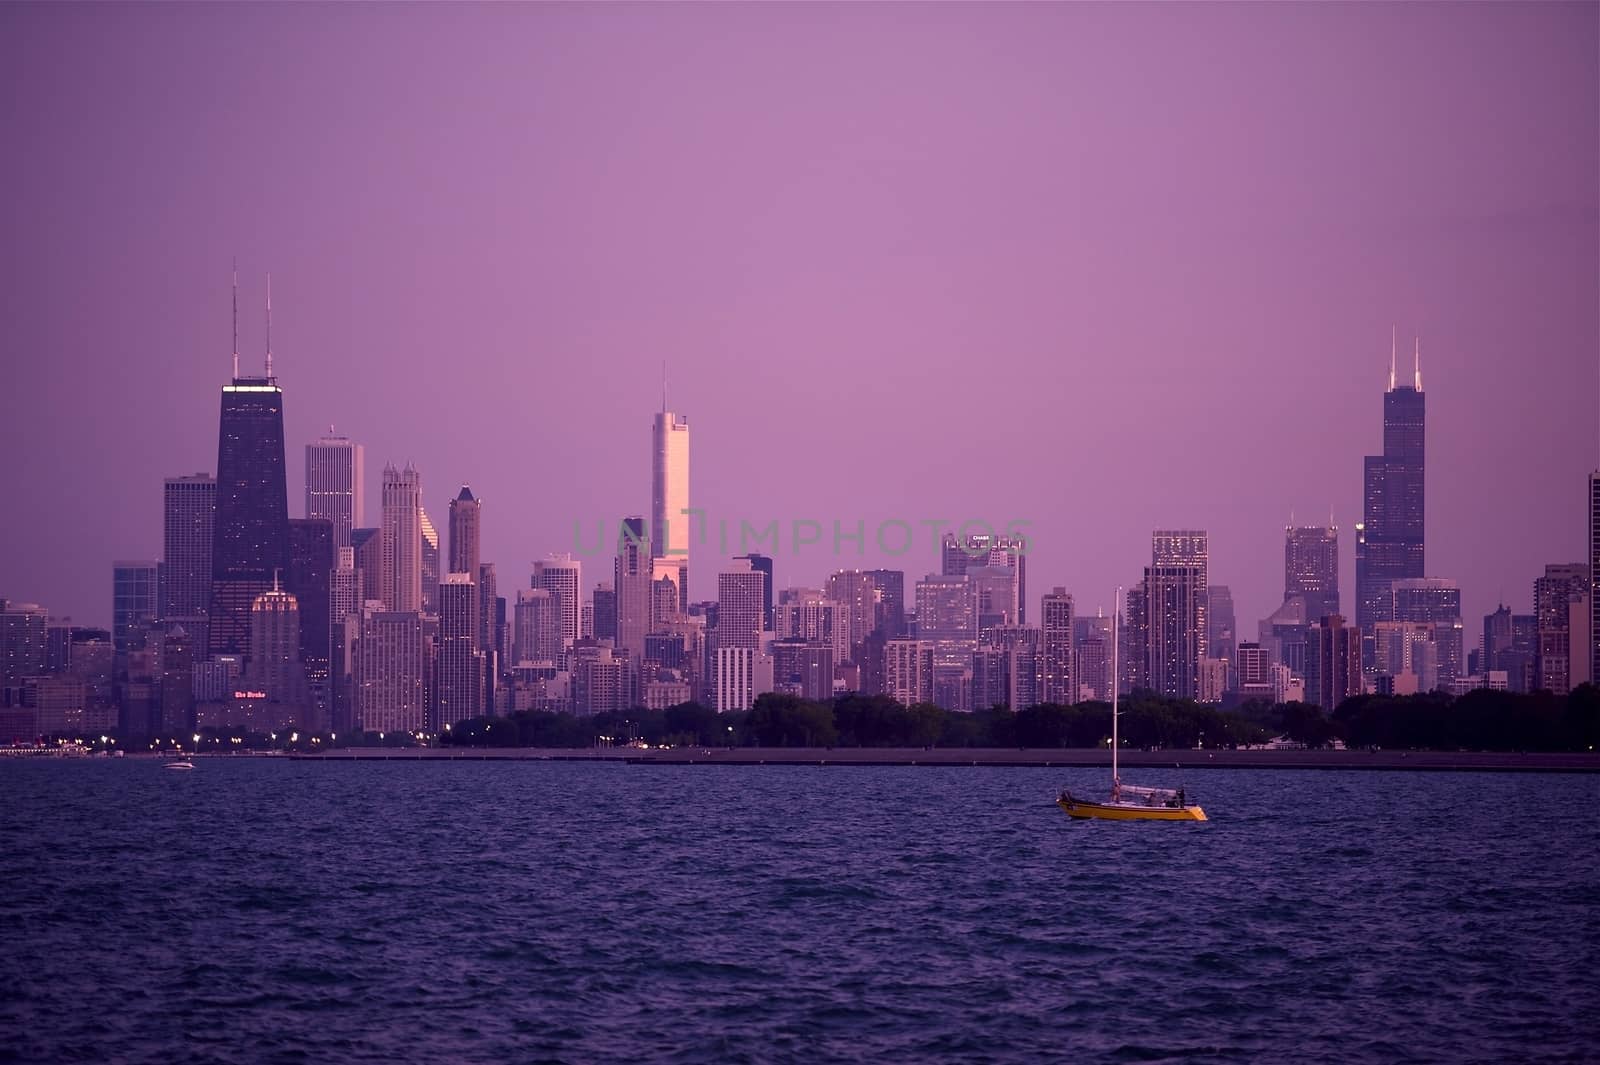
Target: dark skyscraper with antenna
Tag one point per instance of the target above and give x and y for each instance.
(1389, 540)
(250, 535)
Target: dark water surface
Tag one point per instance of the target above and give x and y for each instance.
(276, 911)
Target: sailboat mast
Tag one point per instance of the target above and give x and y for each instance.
(1116, 678)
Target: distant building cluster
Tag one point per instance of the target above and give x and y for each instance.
(257, 621)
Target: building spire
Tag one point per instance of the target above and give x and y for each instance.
(1394, 334)
(1416, 354)
(663, 386)
(235, 317)
(269, 327)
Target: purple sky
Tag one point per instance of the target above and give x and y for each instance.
(1102, 268)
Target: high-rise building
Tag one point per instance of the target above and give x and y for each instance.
(958, 557)
(177, 682)
(401, 577)
(1311, 567)
(335, 469)
(189, 508)
(1172, 629)
(133, 599)
(1594, 577)
(855, 593)
(890, 585)
(741, 612)
(808, 614)
(605, 612)
(669, 493)
(1554, 597)
(1252, 672)
(562, 577)
(631, 576)
(250, 534)
(1057, 682)
(275, 647)
(1389, 539)
(1091, 639)
(390, 679)
(1432, 601)
(23, 640)
(763, 564)
(741, 674)
(488, 597)
(538, 626)
(1187, 547)
(803, 668)
(460, 661)
(908, 670)
(466, 516)
(432, 556)
(1333, 662)
(1221, 630)
(367, 546)
(310, 579)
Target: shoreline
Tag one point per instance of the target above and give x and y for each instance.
(954, 757)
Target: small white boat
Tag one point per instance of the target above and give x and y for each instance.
(179, 765)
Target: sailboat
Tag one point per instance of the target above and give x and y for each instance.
(1129, 803)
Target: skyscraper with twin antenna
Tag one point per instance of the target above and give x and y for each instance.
(1389, 538)
(250, 534)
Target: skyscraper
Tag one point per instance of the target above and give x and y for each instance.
(1175, 620)
(389, 675)
(1431, 601)
(133, 599)
(763, 564)
(1554, 596)
(854, 591)
(460, 661)
(250, 537)
(631, 576)
(605, 611)
(1333, 662)
(890, 617)
(537, 626)
(310, 578)
(22, 642)
(431, 557)
(275, 648)
(1311, 567)
(189, 508)
(1221, 633)
(466, 517)
(741, 617)
(562, 577)
(335, 475)
(1594, 577)
(400, 582)
(1057, 684)
(367, 546)
(669, 494)
(908, 671)
(1389, 539)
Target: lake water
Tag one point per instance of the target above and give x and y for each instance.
(261, 910)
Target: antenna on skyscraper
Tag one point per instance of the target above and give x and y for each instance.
(663, 386)
(236, 317)
(1417, 364)
(1394, 334)
(269, 327)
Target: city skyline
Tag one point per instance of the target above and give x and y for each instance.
(1259, 371)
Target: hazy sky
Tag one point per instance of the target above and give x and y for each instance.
(1100, 268)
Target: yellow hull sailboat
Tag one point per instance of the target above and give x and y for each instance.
(1129, 803)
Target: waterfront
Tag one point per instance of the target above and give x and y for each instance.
(278, 910)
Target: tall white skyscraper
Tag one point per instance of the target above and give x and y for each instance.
(334, 485)
(669, 495)
(562, 577)
(401, 584)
